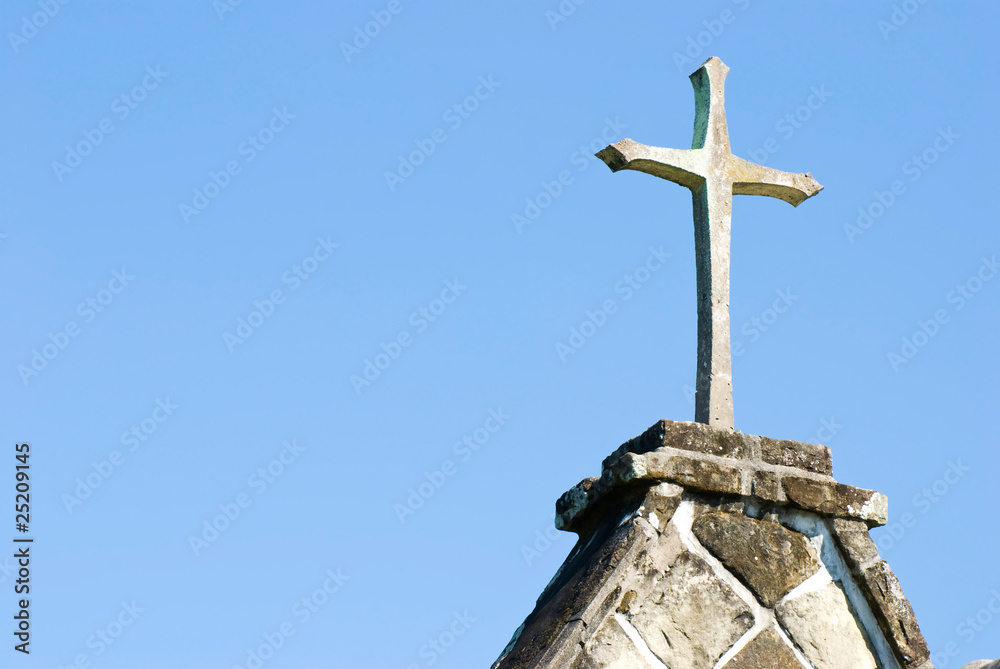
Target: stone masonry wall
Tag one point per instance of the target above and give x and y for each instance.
(702, 549)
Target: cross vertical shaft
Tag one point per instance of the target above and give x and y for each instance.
(712, 206)
(713, 174)
(714, 385)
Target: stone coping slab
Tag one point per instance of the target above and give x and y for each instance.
(700, 438)
(725, 462)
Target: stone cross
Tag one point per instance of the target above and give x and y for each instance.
(713, 174)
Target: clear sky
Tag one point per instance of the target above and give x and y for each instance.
(318, 288)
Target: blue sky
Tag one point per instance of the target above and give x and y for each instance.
(215, 215)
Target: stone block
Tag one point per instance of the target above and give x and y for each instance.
(809, 457)
(822, 626)
(769, 558)
(611, 648)
(854, 541)
(692, 617)
(836, 499)
(894, 614)
(711, 503)
(766, 485)
(767, 650)
(660, 503)
(689, 472)
(574, 502)
(695, 437)
(700, 438)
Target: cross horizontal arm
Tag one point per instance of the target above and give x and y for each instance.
(681, 166)
(752, 179)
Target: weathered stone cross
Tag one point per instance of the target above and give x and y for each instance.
(714, 175)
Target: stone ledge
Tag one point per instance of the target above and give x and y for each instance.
(723, 462)
(700, 438)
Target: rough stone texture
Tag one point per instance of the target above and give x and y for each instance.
(635, 570)
(611, 648)
(611, 569)
(855, 543)
(685, 436)
(831, 498)
(810, 457)
(692, 617)
(688, 472)
(700, 438)
(822, 626)
(882, 590)
(767, 650)
(713, 174)
(660, 503)
(579, 597)
(577, 508)
(983, 664)
(688, 454)
(894, 614)
(767, 486)
(709, 503)
(768, 558)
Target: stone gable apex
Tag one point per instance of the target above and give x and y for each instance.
(712, 549)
